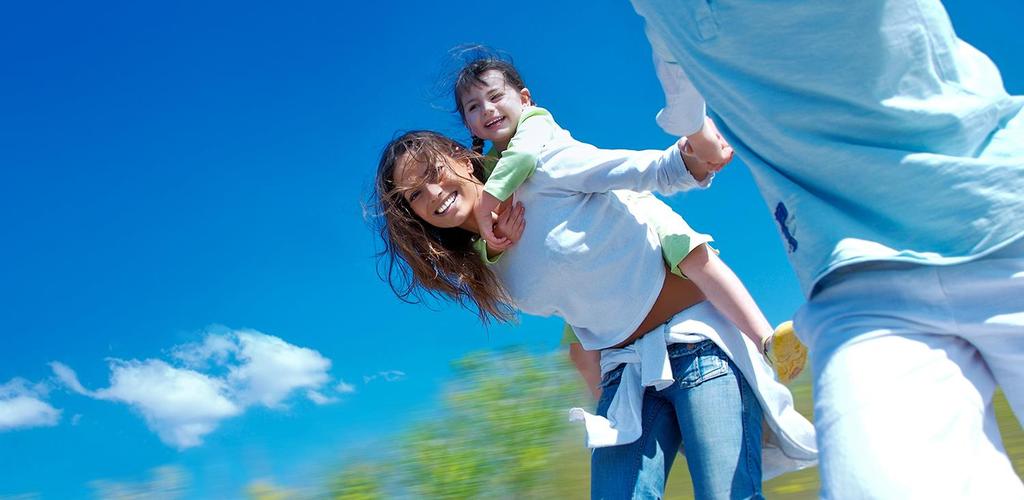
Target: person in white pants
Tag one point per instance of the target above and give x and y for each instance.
(892, 160)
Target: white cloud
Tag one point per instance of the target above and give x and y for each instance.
(270, 369)
(68, 377)
(387, 376)
(22, 406)
(183, 404)
(320, 398)
(345, 388)
(392, 375)
(214, 348)
(180, 405)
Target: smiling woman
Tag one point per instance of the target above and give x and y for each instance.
(417, 173)
(443, 194)
(583, 230)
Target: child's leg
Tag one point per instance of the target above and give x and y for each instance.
(726, 292)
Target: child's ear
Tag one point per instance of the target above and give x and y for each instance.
(525, 98)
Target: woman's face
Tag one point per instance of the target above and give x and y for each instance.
(442, 195)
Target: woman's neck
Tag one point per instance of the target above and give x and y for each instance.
(470, 223)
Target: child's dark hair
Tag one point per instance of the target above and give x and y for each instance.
(479, 60)
(419, 258)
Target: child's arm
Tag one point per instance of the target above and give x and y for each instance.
(725, 291)
(510, 224)
(517, 163)
(587, 169)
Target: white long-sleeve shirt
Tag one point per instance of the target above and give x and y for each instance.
(590, 256)
(685, 109)
(580, 229)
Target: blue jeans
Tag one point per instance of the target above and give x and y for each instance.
(710, 410)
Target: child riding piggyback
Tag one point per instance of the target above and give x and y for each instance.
(496, 106)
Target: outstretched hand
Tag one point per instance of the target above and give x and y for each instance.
(706, 151)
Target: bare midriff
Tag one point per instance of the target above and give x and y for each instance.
(677, 293)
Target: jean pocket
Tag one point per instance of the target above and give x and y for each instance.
(612, 378)
(708, 362)
(609, 386)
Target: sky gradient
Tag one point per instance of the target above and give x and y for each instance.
(187, 281)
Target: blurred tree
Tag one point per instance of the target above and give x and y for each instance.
(359, 482)
(502, 431)
(262, 490)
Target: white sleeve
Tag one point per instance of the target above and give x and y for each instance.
(591, 170)
(684, 109)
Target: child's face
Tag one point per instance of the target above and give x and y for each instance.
(492, 110)
(443, 199)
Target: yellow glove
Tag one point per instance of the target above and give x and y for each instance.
(785, 352)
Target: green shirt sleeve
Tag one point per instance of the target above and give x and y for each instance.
(519, 160)
(480, 245)
(678, 239)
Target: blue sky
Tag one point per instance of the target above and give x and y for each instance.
(180, 205)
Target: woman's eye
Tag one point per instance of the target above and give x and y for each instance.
(414, 195)
(497, 97)
(471, 107)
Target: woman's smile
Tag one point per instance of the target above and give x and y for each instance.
(447, 203)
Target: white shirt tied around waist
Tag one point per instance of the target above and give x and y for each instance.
(790, 442)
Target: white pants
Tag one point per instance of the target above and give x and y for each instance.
(905, 361)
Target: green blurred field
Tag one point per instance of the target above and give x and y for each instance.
(802, 484)
(502, 432)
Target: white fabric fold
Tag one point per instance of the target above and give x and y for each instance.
(789, 444)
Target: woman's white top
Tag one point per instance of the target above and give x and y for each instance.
(589, 256)
(586, 254)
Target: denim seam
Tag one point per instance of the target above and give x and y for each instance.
(745, 393)
(647, 420)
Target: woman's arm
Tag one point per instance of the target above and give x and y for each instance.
(588, 363)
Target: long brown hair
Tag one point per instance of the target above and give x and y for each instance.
(419, 258)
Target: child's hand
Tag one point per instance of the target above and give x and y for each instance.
(510, 225)
(706, 151)
(483, 213)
